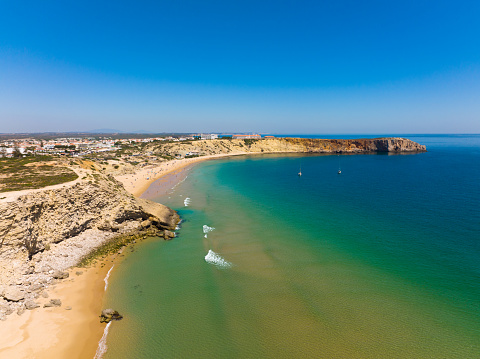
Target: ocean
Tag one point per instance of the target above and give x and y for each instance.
(380, 261)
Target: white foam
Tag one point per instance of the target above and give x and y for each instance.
(187, 201)
(207, 229)
(106, 277)
(179, 182)
(216, 259)
(102, 344)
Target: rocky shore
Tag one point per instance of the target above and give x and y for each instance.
(44, 233)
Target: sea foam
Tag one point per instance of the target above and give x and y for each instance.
(207, 229)
(216, 259)
(102, 344)
(107, 276)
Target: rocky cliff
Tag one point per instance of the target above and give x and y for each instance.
(303, 145)
(35, 221)
(51, 230)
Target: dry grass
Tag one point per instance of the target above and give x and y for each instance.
(32, 172)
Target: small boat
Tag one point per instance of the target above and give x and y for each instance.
(339, 171)
(300, 172)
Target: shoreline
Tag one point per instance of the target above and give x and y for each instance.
(26, 336)
(55, 332)
(139, 182)
(58, 332)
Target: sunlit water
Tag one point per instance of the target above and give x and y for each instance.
(381, 261)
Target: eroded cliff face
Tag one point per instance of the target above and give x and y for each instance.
(46, 232)
(278, 145)
(34, 222)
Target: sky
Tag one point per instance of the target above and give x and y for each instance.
(318, 67)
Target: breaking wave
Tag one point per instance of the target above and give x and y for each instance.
(207, 229)
(102, 344)
(216, 259)
(179, 182)
(107, 276)
(178, 225)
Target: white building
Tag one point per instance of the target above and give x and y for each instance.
(210, 136)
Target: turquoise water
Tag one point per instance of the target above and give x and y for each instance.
(381, 261)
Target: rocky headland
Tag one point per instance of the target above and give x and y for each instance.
(284, 145)
(44, 233)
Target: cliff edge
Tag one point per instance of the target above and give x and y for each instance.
(283, 145)
(46, 232)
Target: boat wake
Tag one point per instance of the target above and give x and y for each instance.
(102, 344)
(217, 260)
(207, 229)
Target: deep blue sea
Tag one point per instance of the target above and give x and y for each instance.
(380, 261)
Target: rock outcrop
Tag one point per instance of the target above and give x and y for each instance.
(36, 221)
(108, 315)
(281, 145)
(44, 233)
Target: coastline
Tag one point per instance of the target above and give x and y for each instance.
(56, 332)
(140, 181)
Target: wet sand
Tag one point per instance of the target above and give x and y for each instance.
(140, 181)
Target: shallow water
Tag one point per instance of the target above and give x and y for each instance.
(381, 261)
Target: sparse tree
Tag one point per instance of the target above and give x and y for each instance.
(30, 241)
(17, 153)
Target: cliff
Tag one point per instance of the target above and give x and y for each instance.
(48, 231)
(279, 145)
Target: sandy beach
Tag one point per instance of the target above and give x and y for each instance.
(75, 333)
(139, 182)
(57, 332)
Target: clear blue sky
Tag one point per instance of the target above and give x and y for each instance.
(236, 66)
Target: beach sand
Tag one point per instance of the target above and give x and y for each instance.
(141, 180)
(59, 333)
(56, 332)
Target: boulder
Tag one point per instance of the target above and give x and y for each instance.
(14, 294)
(56, 302)
(108, 315)
(30, 304)
(60, 275)
(146, 223)
(53, 303)
(168, 234)
(35, 287)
